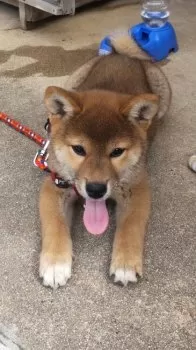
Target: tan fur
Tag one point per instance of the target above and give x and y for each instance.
(79, 75)
(114, 107)
(154, 76)
(123, 44)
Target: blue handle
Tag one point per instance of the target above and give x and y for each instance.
(158, 42)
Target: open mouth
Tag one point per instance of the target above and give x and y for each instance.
(95, 217)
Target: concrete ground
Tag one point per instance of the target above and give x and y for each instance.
(90, 312)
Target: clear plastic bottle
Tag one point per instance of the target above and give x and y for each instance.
(155, 13)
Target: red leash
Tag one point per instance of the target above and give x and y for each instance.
(23, 129)
(41, 156)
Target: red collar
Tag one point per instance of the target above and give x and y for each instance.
(61, 183)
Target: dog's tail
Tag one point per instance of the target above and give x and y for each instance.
(122, 43)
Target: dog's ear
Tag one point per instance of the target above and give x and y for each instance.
(142, 109)
(61, 102)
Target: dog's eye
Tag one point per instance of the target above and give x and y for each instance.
(79, 150)
(117, 152)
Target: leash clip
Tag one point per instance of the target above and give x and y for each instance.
(40, 160)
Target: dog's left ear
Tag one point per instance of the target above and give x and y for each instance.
(62, 102)
(142, 109)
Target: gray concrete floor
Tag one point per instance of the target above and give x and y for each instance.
(91, 312)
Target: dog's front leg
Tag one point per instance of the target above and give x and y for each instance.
(56, 253)
(127, 256)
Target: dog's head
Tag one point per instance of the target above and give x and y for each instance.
(98, 138)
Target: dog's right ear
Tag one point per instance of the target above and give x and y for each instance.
(62, 102)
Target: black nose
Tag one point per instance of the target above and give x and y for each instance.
(96, 189)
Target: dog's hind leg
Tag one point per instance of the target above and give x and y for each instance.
(56, 253)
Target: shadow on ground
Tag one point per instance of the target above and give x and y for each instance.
(50, 60)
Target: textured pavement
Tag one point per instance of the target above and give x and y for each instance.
(91, 313)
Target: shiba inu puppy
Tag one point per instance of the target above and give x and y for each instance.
(99, 136)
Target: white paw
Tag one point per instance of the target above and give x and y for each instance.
(54, 275)
(124, 276)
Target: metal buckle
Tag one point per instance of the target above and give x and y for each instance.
(40, 160)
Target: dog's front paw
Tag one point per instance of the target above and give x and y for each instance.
(125, 270)
(124, 276)
(55, 272)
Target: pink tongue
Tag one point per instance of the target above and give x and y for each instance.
(95, 217)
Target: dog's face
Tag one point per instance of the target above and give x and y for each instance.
(98, 138)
